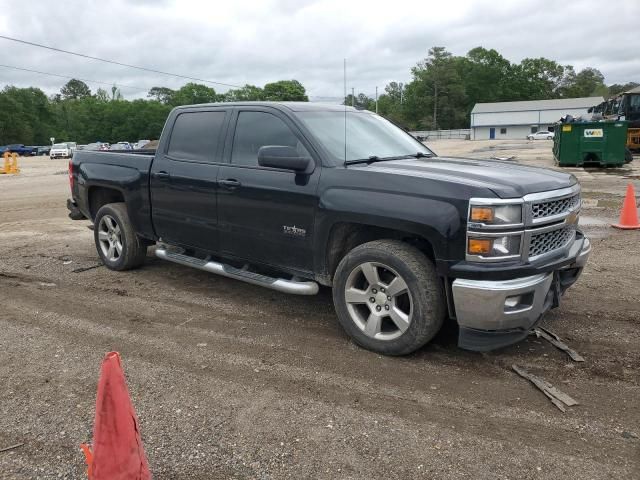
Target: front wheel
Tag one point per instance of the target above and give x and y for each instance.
(388, 297)
(116, 241)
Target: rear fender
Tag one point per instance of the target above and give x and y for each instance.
(130, 182)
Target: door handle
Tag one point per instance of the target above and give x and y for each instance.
(229, 183)
(162, 175)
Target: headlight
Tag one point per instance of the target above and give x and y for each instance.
(496, 214)
(494, 247)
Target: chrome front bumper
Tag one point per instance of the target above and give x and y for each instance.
(493, 314)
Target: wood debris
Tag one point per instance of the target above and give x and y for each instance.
(11, 447)
(558, 398)
(558, 343)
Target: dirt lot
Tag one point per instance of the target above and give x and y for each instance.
(235, 381)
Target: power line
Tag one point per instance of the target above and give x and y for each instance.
(73, 78)
(33, 44)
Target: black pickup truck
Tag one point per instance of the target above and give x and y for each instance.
(293, 195)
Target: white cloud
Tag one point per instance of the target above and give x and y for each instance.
(258, 42)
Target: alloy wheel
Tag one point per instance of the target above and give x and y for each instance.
(378, 301)
(110, 238)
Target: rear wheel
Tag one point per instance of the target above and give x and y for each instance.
(388, 297)
(116, 241)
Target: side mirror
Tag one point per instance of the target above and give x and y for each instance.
(285, 158)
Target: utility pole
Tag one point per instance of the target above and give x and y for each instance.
(401, 93)
(353, 96)
(376, 100)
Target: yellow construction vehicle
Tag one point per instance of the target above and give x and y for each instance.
(624, 106)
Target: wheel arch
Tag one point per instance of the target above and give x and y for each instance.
(98, 196)
(344, 236)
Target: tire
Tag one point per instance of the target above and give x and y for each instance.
(112, 227)
(416, 312)
(628, 156)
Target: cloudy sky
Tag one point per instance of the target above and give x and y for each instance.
(238, 42)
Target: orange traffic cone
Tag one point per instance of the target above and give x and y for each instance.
(629, 212)
(117, 447)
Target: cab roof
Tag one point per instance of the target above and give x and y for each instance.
(293, 106)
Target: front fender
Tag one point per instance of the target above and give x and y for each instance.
(438, 221)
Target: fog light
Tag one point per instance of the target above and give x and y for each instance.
(518, 303)
(511, 302)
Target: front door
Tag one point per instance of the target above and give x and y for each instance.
(492, 133)
(266, 215)
(183, 179)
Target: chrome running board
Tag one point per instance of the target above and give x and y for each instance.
(280, 284)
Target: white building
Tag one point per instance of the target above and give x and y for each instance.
(518, 119)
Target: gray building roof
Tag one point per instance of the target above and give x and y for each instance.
(529, 105)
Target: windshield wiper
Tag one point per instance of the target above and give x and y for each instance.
(375, 158)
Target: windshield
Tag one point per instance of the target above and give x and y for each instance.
(367, 135)
(60, 145)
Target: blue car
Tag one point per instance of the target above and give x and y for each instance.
(18, 148)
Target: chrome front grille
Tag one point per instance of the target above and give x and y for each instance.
(547, 242)
(540, 210)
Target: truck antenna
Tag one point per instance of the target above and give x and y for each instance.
(345, 111)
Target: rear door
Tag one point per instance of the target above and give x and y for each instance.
(266, 215)
(183, 178)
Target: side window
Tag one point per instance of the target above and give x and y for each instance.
(195, 136)
(257, 129)
(534, 129)
(503, 131)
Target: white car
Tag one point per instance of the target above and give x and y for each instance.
(60, 150)
(544, 135)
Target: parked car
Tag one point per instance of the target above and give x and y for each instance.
(268, 193)
(18, 148)
(60, 150)
(73, 146)
(42, 150)
(104, 146)
(121, 146)
(90, 146)
(544, 135)
(140, 144)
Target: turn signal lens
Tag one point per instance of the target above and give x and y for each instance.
(480, 246)
(482, 214)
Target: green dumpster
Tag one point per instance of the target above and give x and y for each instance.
(596, 143)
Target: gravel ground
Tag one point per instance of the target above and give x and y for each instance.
(235, 381)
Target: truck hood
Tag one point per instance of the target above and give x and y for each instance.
(506, 179)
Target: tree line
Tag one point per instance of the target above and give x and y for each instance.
(444, 88)
(442, 91)
(77, 114)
